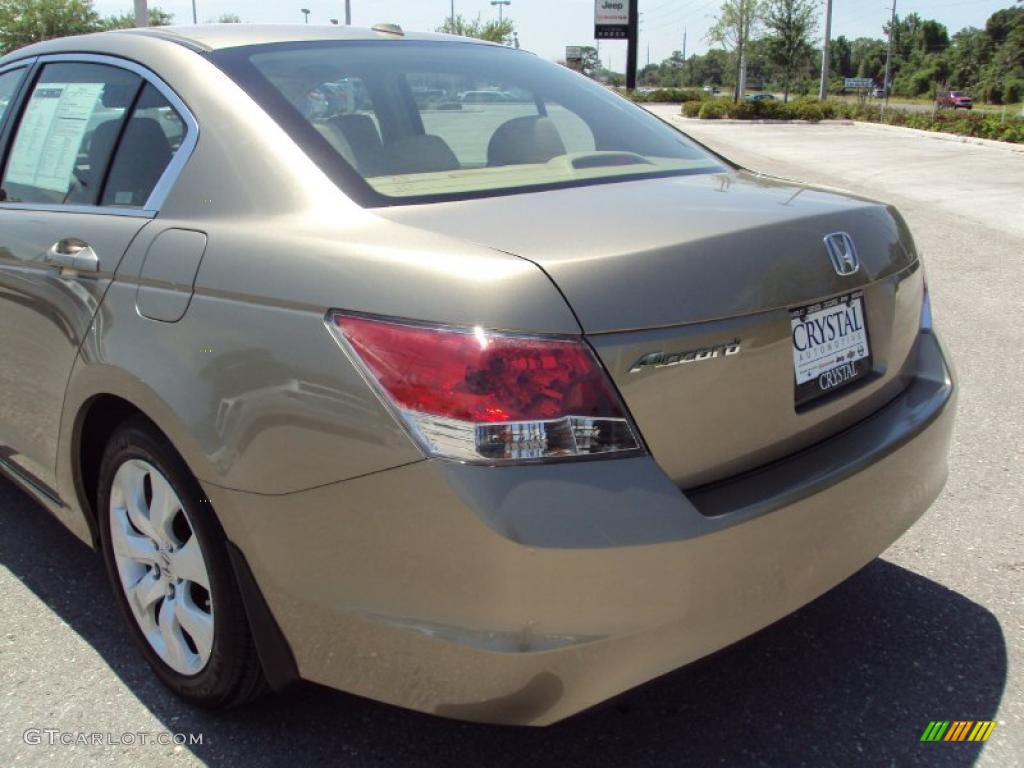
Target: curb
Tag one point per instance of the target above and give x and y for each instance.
(729, 121)
(940, 136)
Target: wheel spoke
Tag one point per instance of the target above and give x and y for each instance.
(141, 597)
(132, 488)
(170, 631)
(198, 624)
(129, 544)
(187, 564)
(163, 507)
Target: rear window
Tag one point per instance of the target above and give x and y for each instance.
(409, 121)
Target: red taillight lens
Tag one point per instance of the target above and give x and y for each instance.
(482, 395)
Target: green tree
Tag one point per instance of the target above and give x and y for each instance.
(229, 18)
(790, 24)
(841, 53)
(738, 22)
(494, 31)
(28, 21)
(591, 64)
(157, 18)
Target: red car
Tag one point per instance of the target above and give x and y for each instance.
(954, 99)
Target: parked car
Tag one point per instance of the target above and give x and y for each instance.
(954, 100)
(878, 93)
(387, 399)
(759, 97)
(484, 97)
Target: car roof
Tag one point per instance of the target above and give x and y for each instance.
(213, 37)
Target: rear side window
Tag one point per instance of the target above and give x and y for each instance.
(469, 112)
(8, 84)
(152, 136)
(68, 130)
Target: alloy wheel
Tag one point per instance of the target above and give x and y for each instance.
(161, 567)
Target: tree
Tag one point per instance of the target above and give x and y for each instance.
(791, 24)
(494, 31)
(229, 18)
(591, 64)
(842, 57)
(157, 18)
(28, 21)
(738, 22)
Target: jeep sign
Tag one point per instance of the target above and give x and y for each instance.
(611, 19)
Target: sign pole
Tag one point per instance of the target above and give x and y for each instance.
(631, 45)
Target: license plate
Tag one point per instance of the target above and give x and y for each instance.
(830, 345)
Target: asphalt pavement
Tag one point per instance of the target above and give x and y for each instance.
(934, 629)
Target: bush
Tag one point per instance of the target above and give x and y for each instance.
(713, 110)
(808, 110)
(744, 110)
(980, 124)
(774, 110)
(667, 95)
(692, 108)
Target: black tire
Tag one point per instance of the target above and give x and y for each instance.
(232, 674)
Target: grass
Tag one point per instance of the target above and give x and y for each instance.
(1012, 110)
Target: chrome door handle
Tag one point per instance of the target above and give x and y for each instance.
(72, 253)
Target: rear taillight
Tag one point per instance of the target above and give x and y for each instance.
(477, 395)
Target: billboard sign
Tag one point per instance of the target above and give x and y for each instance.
(611, 19)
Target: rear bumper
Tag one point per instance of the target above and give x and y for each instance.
(523, 595)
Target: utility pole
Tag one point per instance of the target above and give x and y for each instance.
(195, 19)
(141, 14)
(684, 43)
(888, 53)
(826, 52)
(633, 29)
(348, 13)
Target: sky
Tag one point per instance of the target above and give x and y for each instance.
(547, 26)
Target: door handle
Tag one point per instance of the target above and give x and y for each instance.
(72, 253)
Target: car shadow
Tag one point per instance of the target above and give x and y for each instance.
(852, 679)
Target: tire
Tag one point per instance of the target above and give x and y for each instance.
(168, 565)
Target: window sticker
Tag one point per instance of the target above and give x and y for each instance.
(50, 137)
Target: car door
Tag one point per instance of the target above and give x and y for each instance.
(81, 167)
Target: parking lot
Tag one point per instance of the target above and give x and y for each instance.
(934, 629)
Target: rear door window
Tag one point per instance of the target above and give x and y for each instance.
(153, 134)
(68, 130)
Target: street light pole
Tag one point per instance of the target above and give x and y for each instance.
(826, 53)
(888, 52)
(305, 12)
(348, 13)
(195, 18)
(501, 4)
(141, 14)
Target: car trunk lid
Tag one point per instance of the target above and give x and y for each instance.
(692, 266)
